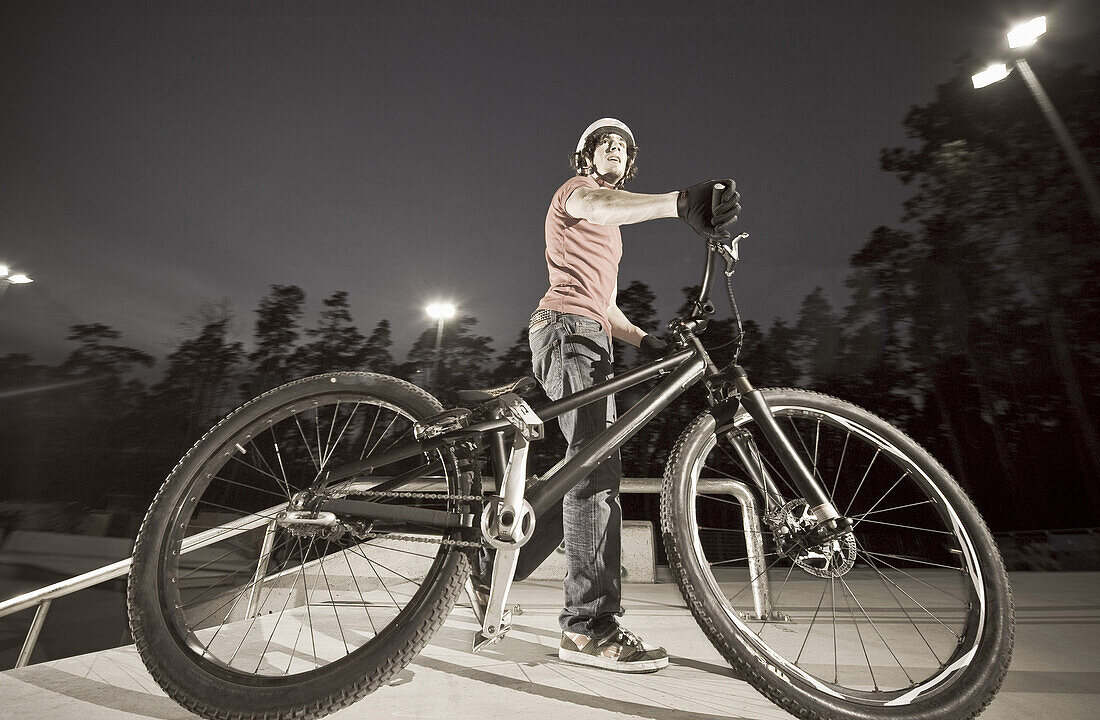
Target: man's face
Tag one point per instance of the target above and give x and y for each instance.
(610, 157)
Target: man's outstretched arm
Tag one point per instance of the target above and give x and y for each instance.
(709, 207)
(605, 206)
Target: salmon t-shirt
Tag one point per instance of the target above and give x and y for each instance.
(582, 258)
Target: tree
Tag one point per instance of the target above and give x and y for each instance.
(994, 286)
(636, 302)
(94, 423)
(376, 349)
(276, 335)
(337, 343)
(197, 387)
(464, 358)
(95, 358)
(816, 340)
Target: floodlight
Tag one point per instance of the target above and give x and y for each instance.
(994, 73)
(441, 311)
(1027, 33)
(19, 279)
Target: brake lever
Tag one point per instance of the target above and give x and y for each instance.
(729, 252)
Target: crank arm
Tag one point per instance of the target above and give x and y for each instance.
(497, 619)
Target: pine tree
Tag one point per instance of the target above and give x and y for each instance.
(276, 337)
(337, 343)
(376, 353)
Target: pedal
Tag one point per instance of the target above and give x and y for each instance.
(481, 642)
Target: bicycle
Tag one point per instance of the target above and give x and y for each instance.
(313, 541)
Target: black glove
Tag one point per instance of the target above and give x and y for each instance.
(709, 215)
(653, 348)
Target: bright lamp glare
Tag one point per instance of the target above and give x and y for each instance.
(1027, 33)
(19, 279)
(994, 73)
(441, 311)
(4, 270)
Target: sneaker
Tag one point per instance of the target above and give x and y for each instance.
(621, 651)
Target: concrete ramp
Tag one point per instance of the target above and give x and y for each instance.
(1055, 671)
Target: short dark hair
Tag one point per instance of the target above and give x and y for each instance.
(581, 162)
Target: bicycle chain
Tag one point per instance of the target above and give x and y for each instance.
(421, 496)
(417, 538)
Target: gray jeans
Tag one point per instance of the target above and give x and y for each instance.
(569, 353)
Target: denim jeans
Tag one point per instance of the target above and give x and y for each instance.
(569, 353)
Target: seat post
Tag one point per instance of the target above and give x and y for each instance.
(497, 451)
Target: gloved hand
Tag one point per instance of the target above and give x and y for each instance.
(707, 215)
(653, 348)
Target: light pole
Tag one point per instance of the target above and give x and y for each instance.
(8, 278)
(1025, 35)
(440, 312)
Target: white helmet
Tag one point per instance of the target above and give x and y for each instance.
(612, 125)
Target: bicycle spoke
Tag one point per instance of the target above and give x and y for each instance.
(875, 628)
(922, 582)
(885, 584)
(858, 516)
(328, 440)
(855, 622)
(806, 450)
(305, 444)
(370, 431)
(351, 416)
(862, 480)
(354, 578)
(913, 559)
(380, 437)
(896, 482)
(832, 613)
(813, 621)
(907, 527)
(839, 465)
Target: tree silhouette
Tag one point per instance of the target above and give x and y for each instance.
(464, 358)
(816, 341)
(994, 288)
(276, 335)
(337, 343)
(197, 388)
(376, 349)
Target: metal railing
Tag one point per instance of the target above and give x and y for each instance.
(43, 597)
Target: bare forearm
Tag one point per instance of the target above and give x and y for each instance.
(623, 329)
(605, 206)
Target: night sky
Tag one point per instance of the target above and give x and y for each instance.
(153, 162)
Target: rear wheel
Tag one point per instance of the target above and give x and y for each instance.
(240, 613)
(907, 616)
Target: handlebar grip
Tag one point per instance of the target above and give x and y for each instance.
(716, 195)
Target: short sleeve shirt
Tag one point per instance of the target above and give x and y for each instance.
(582, 258)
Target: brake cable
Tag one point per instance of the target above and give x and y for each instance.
(730, 255)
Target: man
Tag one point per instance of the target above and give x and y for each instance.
(570, 337)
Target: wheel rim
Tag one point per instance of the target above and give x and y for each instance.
(266, 601)
(897, 626)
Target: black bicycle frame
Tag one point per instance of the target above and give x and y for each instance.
(683, 369)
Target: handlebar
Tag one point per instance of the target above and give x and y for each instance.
(702, 306)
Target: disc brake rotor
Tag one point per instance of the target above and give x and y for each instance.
(829, 560)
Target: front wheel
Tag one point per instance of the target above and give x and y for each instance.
(907, 616)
